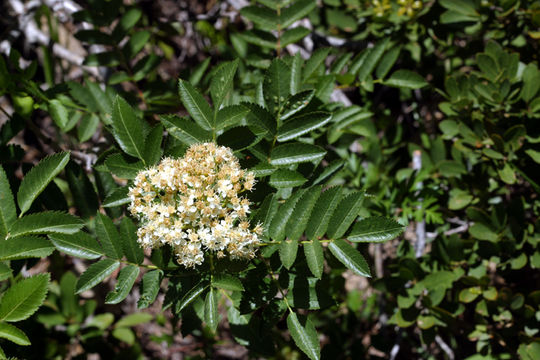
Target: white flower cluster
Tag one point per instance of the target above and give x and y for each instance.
(193, 205)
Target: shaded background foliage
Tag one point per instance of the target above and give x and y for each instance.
(434, 114)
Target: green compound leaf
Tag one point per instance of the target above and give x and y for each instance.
(276, 230)
(117, 197)
(276, 85)
(345, 214)
(299, 218)
(80, 245)
(21, 300)
(123, 286)
(287, 252)
(59, 113)
(264, 17)
(375, 229)
(196, 105)
(25, 247)
(45, 223)
(37, 179)
(152, 147)
(285, 178)
(233, 115)
(296, 102)
(227, 282)
(8, 213)
(372, 59)
(350, 257)
(293, 35)
(303, 124)
(222, 81)
(127, 128)
(191, 295)
(296, 11)
(123, 167)
(133, 251)
(315, 258)
(211, 315)
(109, 237)
(13, 334)
(150, 284)
(185, 130)
(95, 274)
(304, 335)
(295, 153)
(406, 79)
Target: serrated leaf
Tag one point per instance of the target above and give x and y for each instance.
(387, 61)
(285, 178)
(314, 255)
(296, 102)
(276, 85)
(296, 11)
(109, 237)
(299, 218)
(150, 284)
(191, 295)
(350, 257)
(13, 334)
(259, 38)
(329, 171)
(127, 129)
(232, 115)
(222, 81)
(123, 286)
(375, 229)
(304, 336)
(46, 222)
(302, 124)
(406, 79)
(25, 247)
(133, 320)
(21, 300)
(82, 190)
(8, 213)
(37, 179)
(260, 118)
(80, 245)
(131, 247)
(296, 73)
(265, 18)
(372, 59)
(276, 229)
(96, 273)
(5, 271)
(266, 212)
(314, 62)
(152, 146)
(345, 214)
(293, 35)
(121, 166)
(118, 197)
(59, 113)
(287, 252)
(227, 282)
(196, 105)
(211, 315)
(294, 153)
(185, 130)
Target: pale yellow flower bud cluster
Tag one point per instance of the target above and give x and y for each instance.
(409, 7)
(193, 205)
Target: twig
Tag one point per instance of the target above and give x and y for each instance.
(421, 225)
(444, 346)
